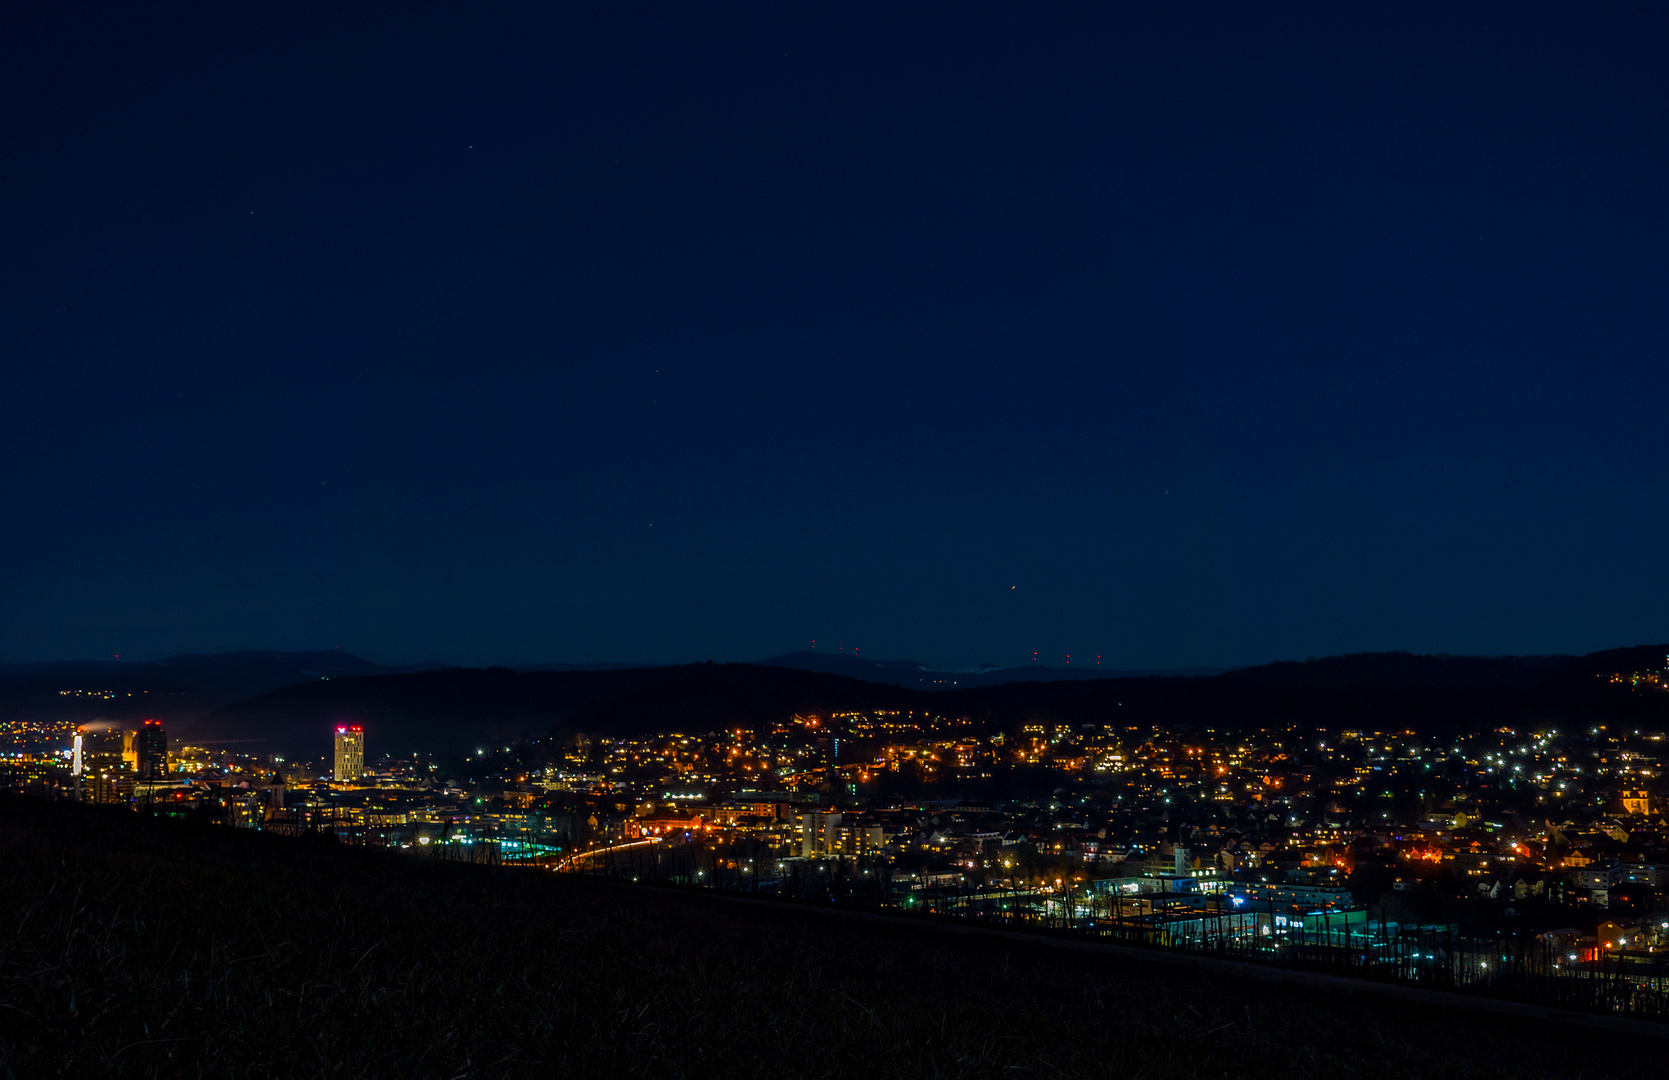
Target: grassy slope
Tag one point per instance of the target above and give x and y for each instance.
(158, 949)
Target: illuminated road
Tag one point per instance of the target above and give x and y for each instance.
(603, 851)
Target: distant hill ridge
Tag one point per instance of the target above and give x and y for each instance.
(1375, 691)
(282, 701)
(186, 687)
(915, 674)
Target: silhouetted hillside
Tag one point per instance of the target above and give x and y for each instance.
(599, 666)
(1432, 694)
(149, 948)
(459, 708)
(177, 689)
(919, 676)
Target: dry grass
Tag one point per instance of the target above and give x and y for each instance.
(159, 949)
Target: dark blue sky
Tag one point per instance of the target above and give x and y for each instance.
(1178, 334)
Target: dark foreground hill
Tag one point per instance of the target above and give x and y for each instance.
(458, 708)
(145, 948)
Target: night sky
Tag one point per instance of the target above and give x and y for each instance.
(1174, 334)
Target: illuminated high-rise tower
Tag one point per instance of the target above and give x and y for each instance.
(350, 753)
(152, 750)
